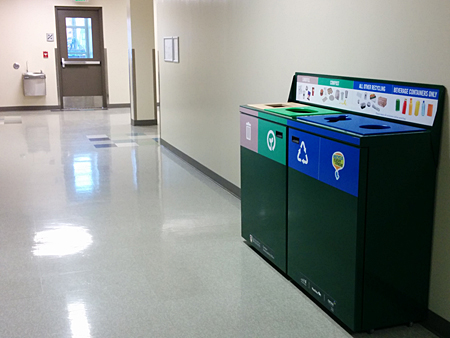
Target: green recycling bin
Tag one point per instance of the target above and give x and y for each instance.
(263, 184)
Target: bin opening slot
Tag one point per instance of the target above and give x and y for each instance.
(374, 126)
(279, 134)
(302, 110)
(295, 140)
(276, 105)
(338, 118)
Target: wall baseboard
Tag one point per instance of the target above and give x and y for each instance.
(19, 108)
(143, 122)
(24, 108)
(119, 105)
(436, 324)
(227, 185)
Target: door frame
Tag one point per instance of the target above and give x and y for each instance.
(102, 58)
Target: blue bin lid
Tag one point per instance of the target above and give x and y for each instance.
(360, 124)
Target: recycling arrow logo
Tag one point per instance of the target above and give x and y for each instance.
(302, 156)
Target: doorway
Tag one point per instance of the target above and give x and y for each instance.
(81, 68)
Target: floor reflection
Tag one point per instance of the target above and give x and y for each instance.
(61, 240)
(79, 323)
(85, 173)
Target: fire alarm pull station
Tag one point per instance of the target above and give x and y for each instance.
(45, 55)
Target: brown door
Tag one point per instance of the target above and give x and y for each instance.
(80, 48)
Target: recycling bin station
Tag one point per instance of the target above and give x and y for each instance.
(354, 197)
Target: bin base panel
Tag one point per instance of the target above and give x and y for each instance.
(263, 201)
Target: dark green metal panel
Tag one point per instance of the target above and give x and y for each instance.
(324, 244)
(400, 205)
(263, 205)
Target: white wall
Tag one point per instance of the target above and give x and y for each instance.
(23, 26)
(235, 52)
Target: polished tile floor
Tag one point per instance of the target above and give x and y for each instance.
(103, 233)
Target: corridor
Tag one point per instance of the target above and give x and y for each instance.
(104, 233)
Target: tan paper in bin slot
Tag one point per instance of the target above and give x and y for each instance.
(276, 105)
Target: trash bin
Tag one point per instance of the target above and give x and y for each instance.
(263, 175)
(361, 200)
(34, 84)
(263, 183)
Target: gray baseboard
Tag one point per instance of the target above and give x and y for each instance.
(119, 105)
(143, 122)
(22, 108)
(227, 185)
(436, 324)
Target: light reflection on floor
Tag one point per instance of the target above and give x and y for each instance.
(61, 240)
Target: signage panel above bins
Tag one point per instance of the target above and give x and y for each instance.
(415, 104)
(339, 173)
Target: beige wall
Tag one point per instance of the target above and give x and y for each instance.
(142, 40)
(24, 24)
(234, 52)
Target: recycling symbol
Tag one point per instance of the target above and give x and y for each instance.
(302, 156)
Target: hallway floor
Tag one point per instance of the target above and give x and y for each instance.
(104, 233)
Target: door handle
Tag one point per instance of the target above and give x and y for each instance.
(65, 63)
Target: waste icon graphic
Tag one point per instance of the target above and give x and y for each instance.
(338, 161)
(302, 156)
(271, 141)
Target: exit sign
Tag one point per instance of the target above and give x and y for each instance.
(81, 0)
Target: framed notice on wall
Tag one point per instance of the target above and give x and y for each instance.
(168, 49)
(171, 51)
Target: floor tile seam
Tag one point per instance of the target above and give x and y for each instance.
(107, 141)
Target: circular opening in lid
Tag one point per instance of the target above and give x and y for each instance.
(302, 110)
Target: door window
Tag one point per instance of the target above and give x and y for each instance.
(79, 38)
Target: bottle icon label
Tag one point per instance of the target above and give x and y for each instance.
(430, 110)
(404, 107)
(416, 110)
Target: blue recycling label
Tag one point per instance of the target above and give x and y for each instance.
(423, 93)
(304, 152)
(331, 162)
